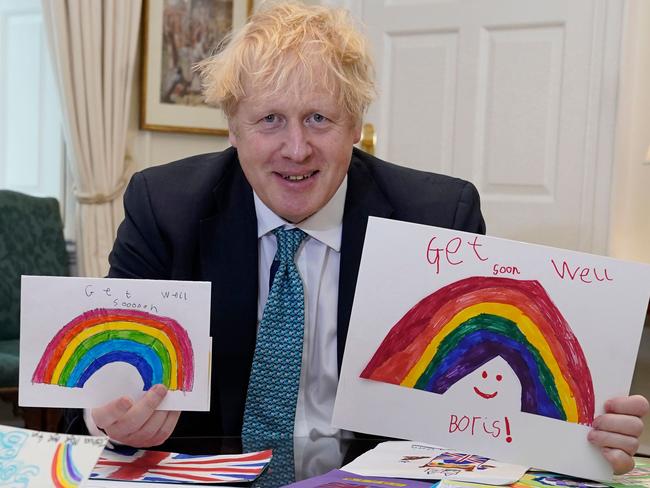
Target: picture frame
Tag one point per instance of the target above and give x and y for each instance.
(176, 34)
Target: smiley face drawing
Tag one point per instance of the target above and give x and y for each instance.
(485, 375)
(486, 390)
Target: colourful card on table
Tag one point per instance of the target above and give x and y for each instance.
(87, 341)
(169, 467)
(342, 479)
(489, 346)
(34, 458)
(416, 460)
(639, 477)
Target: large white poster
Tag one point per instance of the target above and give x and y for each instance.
(489, 346)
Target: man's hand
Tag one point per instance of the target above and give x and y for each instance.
(617, 431)
(137, 424)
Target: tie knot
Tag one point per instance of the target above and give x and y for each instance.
(288, 242)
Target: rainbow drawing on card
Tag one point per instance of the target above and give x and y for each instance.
(63, 471)
(460, 327)
(158, 347)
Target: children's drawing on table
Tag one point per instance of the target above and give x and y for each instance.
(423, 461)
(127, 464)
(31, 458)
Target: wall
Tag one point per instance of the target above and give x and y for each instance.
(630, 204)
(149, 148)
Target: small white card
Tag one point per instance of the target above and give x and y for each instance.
(87, 341)
(489, 346)
(33, 458)
(403, 459)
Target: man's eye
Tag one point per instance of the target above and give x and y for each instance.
(319, 118)
(270, 118)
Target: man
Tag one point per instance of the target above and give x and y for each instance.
(294, 84)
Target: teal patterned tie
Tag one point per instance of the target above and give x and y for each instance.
(273, 386)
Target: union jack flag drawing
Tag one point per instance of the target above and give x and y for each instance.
(456, 460)
(156, 466)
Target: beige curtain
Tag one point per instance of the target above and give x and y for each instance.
(93, 45)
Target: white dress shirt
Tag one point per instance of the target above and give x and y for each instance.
(317, 259)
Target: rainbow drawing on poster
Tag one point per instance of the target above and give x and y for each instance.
(460, 327)
(63, 471)
(158, 347)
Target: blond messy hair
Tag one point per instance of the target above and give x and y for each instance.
(287, 44)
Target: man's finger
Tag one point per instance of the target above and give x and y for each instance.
(139, 413)
(145, 435)
(624, 443)
(621, 424)
(108, 414)
(621, 462)
(635, 405)
(155, 431)
(167, 428)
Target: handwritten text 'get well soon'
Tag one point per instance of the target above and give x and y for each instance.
(442, 253)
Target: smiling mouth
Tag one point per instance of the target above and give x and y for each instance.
(485, 395)
(298, 177)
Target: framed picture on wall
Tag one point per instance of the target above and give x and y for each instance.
(176, 35)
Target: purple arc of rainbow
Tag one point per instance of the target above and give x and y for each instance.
(63, 471)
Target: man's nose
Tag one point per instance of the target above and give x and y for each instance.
(297, 146)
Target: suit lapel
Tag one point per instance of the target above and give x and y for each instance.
(364, 198)
(228, 250)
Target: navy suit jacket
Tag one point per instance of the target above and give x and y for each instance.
(195, 219)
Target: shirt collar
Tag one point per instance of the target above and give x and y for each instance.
(325, 225)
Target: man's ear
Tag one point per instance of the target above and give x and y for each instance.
(232, 133)
(357, 132)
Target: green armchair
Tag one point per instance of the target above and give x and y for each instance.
(31, 242)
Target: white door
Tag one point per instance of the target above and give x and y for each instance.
(517, 96)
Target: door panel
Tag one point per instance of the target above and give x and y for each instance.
(512, 95)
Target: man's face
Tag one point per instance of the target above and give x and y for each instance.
(294, 148)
